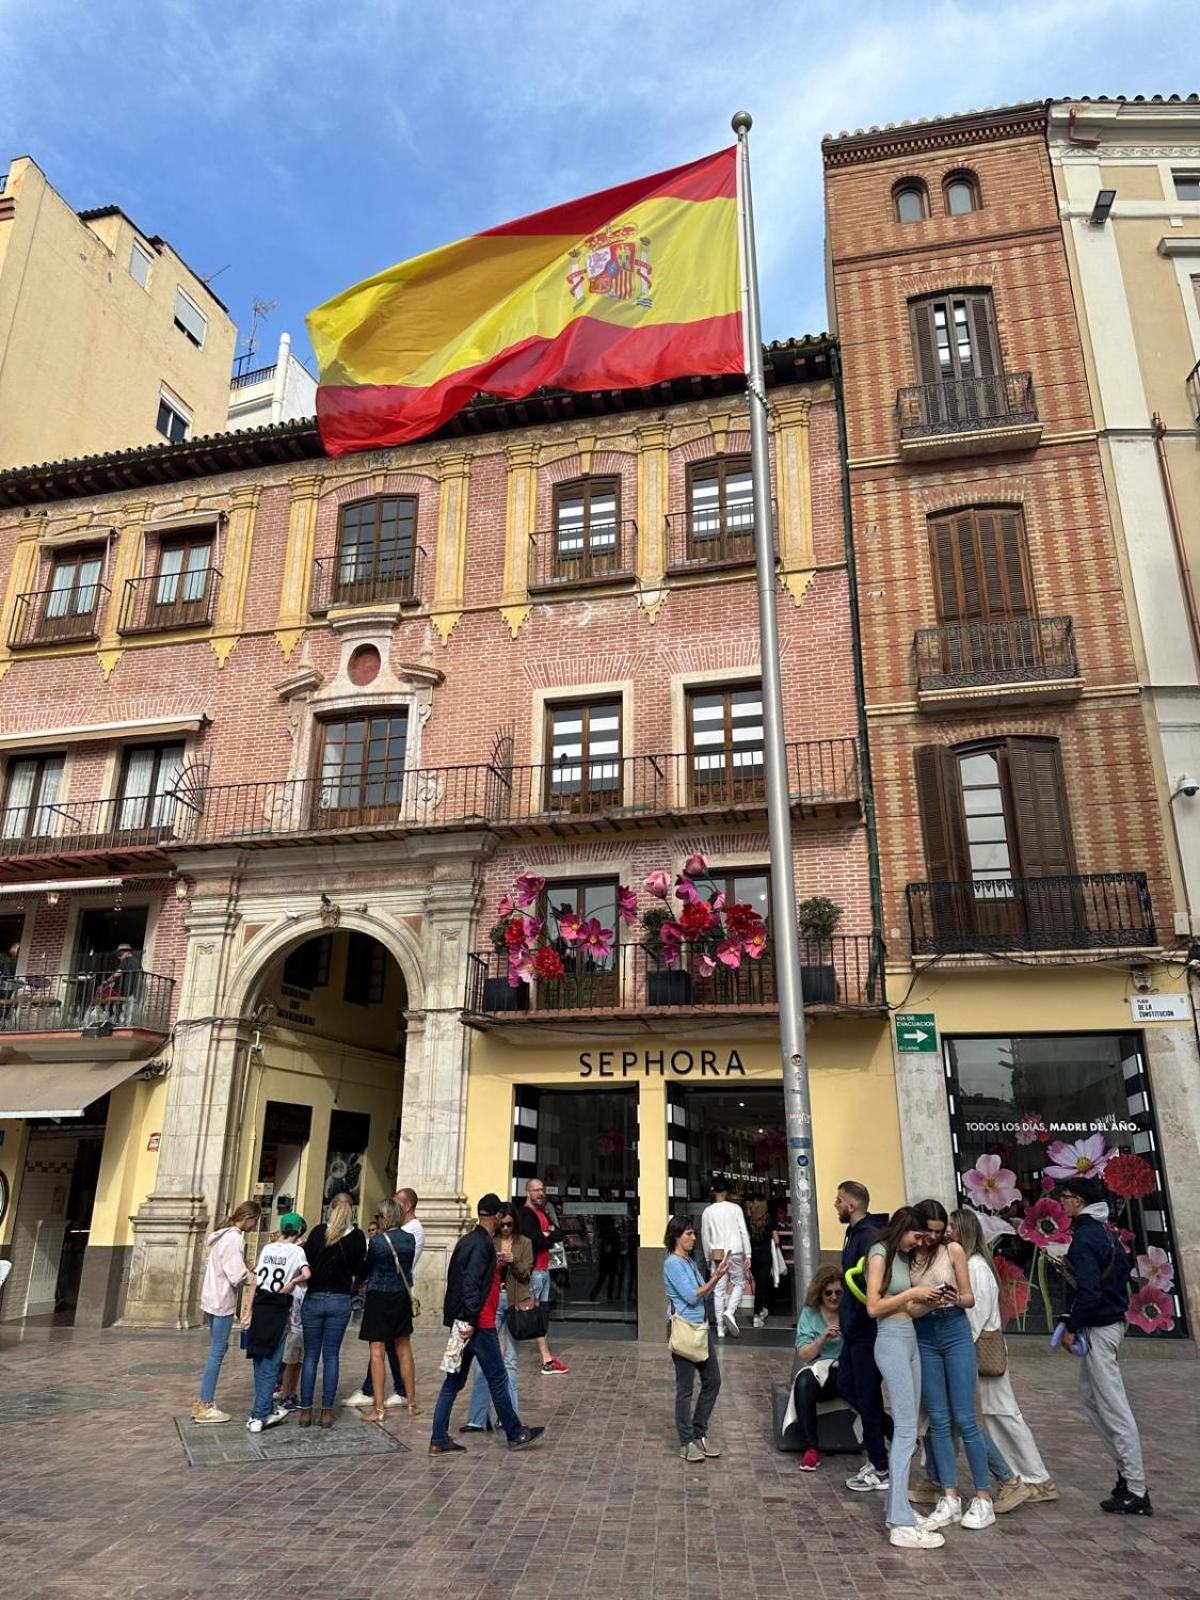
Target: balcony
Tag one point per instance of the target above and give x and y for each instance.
(706, 541)
(968, 416)
(341, 581)
(1080, 911)
(632, 992)
(106, 1016)
(1011, 660)
(601, 554)
(607, 795)
(57, 616)
(169, 600)
(1193, 389)
(64, 838)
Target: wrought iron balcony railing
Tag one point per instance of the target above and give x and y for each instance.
(73, 826)
(843, 973)
(966, 405)
(343, 581)
(57, 616)
(94, 1002)
(1193, 388)
(1077, 911)
(169, 600)
(959, 655)
(700, 539)
(563, 558)
(578, 795)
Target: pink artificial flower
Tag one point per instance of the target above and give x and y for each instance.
(991, 1185)
(1084, 1158)
(505, 907)
(1048, 1184)
(533, 926)
(569, 924)
(685, 892)
(1045, 1223)
(1151, 1310)
(1123, 1234)
(670, 938)
(595, 940)
(520, 968)
(718, 900)
(528, 887)
(1155, 1268)
(627, 905)
(705, 965)
(1032, 1128)
(695, 866)
(993, 1227)
(729, 952)
(755, 942)
(657, 884)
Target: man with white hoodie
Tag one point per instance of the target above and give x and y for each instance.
(724, 1236)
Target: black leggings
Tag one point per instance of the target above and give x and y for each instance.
(808, 1391)
(760, 1266)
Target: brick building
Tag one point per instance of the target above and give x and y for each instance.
(289, 728)
(1026, 892)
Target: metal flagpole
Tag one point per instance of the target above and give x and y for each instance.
(785, 941)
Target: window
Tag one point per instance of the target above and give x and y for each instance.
(182, 575)
(961, 193)
(912, 201)
(73, 597)
(149, 774)
(366, 971)
(954, 337)
(30, 795)
(720, 510)
(994, 811)
(189, 318)
(173, 422)
(362, 769)
(588, 980)
(583, 749)
(725, 746)
(140, 261)
(1187, 185)
(586, 528)
(747, 886)
(307, 966)
(980, 564)
(375, 548)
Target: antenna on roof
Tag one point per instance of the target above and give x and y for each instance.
(260, 311)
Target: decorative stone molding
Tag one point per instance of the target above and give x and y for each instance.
(293, 598)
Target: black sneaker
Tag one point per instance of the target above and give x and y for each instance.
(1124, 1504)
(475, 1427)
(525, 1438)
(1120, 1487)
(446, 1448)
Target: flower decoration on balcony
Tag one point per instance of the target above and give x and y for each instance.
(1151, 1310)
(712, 932)
(1045, 1223)
(1130, 1176)
(1083, 1158)
(541, 947)
(991, 1185)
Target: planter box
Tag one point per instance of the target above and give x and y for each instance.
(499, 995)
(820, 985)
(669, 986)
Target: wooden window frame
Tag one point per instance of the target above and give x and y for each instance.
(736, 791)
(906, 186)
(365, 980)
(376, 584)
(589, 563)
(178, 611)
(970, 181)
(990, 608)
(611, 796)
(725, 544)
(72, 621)
(154, 792)
(320, 962)
(35, 803)
(580, 987)
(361, 814)
(982, 328)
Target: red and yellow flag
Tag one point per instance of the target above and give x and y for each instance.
(623, 288)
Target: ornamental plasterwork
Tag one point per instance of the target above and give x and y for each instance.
(1125, 152)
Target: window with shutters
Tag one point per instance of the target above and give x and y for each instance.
(720, 510)
(961, 386)
(980, 564)
(587, 528)
(583, 756)
(70, 606)
(960, 191)
(181, 580)
(954, 337)
(725, 745)
(189, 318)
(911, 200)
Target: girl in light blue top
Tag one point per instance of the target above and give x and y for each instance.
(686, 1291)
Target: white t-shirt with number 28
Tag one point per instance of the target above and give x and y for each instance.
(278, 1265)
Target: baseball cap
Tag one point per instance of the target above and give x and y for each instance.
(292, 1222)
(1089, 1190)
(489, 1205)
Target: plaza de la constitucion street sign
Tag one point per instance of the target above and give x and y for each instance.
(916, 1033)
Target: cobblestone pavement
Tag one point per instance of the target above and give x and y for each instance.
(97, 1497)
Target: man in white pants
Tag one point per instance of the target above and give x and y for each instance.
(724, 1235)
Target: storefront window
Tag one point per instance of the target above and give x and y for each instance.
(1027, 1112)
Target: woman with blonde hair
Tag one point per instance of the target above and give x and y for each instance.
(387, 1310)
(818, 1346)
(224, 1273)
(337, 1253)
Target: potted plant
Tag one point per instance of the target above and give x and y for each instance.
(817, 919)
(665, 985)
(498, 993)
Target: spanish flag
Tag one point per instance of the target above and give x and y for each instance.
(620, 289)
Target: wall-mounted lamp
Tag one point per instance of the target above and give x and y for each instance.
(1104, 204)
(52, 897)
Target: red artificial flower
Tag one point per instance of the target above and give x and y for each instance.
(1015, 1289)
(514, 933)
(1045, 1223)
(1130, 1176)
(695, 919)
(547, 963)
(742, 919)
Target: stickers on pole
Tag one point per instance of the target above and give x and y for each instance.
(916, 1033)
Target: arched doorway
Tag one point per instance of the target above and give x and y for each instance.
(323, 1094)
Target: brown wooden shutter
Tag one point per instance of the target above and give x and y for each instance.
(1012, 562)
(924, 341)
(1039, 804)
(979, 565)
(983, 337)
(940, 804)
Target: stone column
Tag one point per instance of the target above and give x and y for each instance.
(925, 1144)
(204, 1094)
(1174, 1070)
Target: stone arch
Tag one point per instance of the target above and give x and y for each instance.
(255, 961)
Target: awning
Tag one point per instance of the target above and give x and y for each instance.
(84, 733)
(59, 1088)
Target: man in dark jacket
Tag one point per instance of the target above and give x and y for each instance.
(859, 1382)
(1097, 1271)
(472, 1295)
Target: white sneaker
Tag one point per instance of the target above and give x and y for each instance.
(358, 1398)
(867, 1478)
(720, 1330)
(254, 1425)
(760, 1321)
(945, 1512)
(277, 1416)
(980, 1513)
(394, 1400)
(915, 1538)
(209, 1414)
(730, 1322)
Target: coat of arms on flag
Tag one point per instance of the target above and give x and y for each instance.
(613, 262)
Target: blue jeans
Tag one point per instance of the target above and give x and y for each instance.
(480, 1397)
(266, 1379)
(368, 1388)
(949, 1373)
(324, 1318)
(541, 1287)
(900, 1367)
(484, 1346)
(218, 1329)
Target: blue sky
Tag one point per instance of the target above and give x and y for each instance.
(301, 145)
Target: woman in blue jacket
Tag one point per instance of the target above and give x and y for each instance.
(687, 1290)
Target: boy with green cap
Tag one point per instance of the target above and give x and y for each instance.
(280, 1267)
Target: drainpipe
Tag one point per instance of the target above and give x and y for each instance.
(860, 692)
(279, 387)
(1159, 429)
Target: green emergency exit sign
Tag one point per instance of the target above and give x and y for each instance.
(916, 1033)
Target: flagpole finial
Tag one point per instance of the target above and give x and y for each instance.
(741, 122)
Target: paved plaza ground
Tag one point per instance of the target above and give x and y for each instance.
(98, 1498)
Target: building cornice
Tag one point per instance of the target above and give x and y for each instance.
(935, 133)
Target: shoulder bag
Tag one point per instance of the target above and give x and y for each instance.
(529, 1320)
(404, 1279)
(689, 1339)
(991, 1354)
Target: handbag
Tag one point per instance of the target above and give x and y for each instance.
(529, 1320)
(991, 1354)
(689, 1339)
(400, 1273)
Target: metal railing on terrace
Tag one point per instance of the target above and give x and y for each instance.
(1008, 650)
(601, 552)
(1076, 911)
(99, 1002)
(57, 616)
(698, 539)
(966, 405)
(169, 600)
(243, 380)
(845, 972)
(343, 581)
(71, 826)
